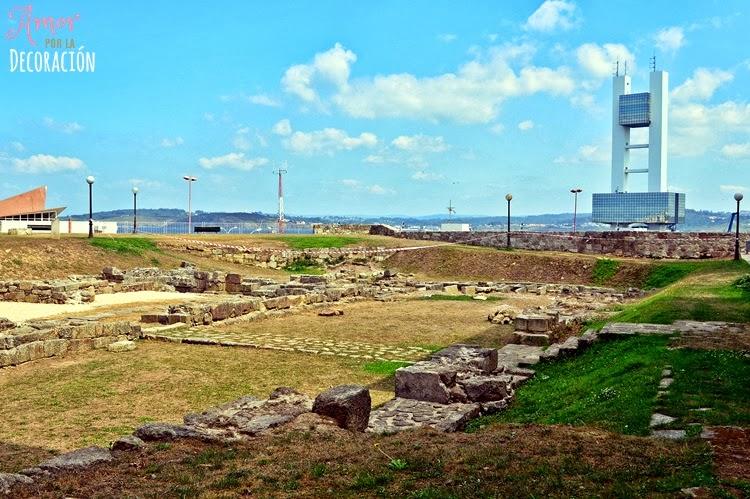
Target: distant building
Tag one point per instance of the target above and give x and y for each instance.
(454, 227)
(27, 212)
(657, 209)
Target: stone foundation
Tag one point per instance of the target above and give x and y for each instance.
(40, 339)
(678, 245)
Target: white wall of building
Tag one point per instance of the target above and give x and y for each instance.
(65, 226)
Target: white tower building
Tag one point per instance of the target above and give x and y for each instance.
(657, 208)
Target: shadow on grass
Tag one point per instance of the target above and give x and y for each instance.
(15, 457)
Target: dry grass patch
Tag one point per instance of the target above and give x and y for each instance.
(489, 264)
(290, 240)
(430, 324)
(71, 402)
(504, 461)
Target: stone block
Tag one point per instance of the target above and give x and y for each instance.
(127, 443)
(533, 323)
(77, 459)
(349, 405)
(121, 346)
(485, 388)
(425, 381)
(533, 339)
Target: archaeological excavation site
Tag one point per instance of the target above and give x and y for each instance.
(368, 365)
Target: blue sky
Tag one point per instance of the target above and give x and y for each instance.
(384, 107)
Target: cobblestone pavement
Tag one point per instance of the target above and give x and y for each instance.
(355, 350)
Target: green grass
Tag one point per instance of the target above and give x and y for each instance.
(664, 274)
(440, 297)
(715, 379)
(305, 266)
(604, 270)
(384, 367)
(690, 302)
(125, 245)
(315, 241)
(612, 385)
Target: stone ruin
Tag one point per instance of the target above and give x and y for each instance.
(33, 340)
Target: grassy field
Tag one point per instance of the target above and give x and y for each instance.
(705, 293)
(613, 386)
(502, 461)
(75, 401)
(426, 323)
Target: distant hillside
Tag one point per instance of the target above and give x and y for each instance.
(695, 220)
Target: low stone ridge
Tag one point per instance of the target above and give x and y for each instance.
(80, 458)
(35, 340)
(400, 414)
(349, 405)
(10, 480)
(127, 443)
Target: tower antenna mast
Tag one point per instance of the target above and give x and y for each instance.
(281, 221)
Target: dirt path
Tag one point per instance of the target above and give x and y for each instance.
(18, 312)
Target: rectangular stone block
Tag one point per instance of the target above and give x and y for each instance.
(533, 339)
(425, 381)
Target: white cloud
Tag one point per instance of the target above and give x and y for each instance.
(234, 160)
(328, 141)
(262, 100)
(471, 95)
(736, 150)
(497, 128)
(587, 153)
(358, 186)
(146, 183)
(599, 60)
(552, 15)
(17, 146)
(424, 176)
(241, 139)
(209, 117)
(282, 127)
(69, 128)
(732, 188)
(420, 143)
(697, 128)
(526, 125)
(670, 39)
(332, 66)
(169, 142)
(447, 37)
(702, 85)
(376, 189)
(45, 163)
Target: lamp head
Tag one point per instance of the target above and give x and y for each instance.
(738, 196)
(190, 178)
(90, 179)
(135, 190)
(508, 197)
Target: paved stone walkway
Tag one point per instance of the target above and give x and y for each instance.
(318, 346)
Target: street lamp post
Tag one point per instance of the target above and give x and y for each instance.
(190, 179)
(90, 180)
(508, 197)
(135, 209)
(575, 192)
(737, 197)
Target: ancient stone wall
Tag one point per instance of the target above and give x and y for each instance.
(678, 245)
(20, 343)
(277, 258)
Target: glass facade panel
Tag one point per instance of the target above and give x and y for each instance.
(635, 110)
(639, 207)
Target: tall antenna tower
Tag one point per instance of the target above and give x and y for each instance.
(451, 209)
(281, 222)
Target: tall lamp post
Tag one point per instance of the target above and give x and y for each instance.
(190, 179)
(508, 197)
(135, 209)
(737, 197)
(576, 191)
(90, 180)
